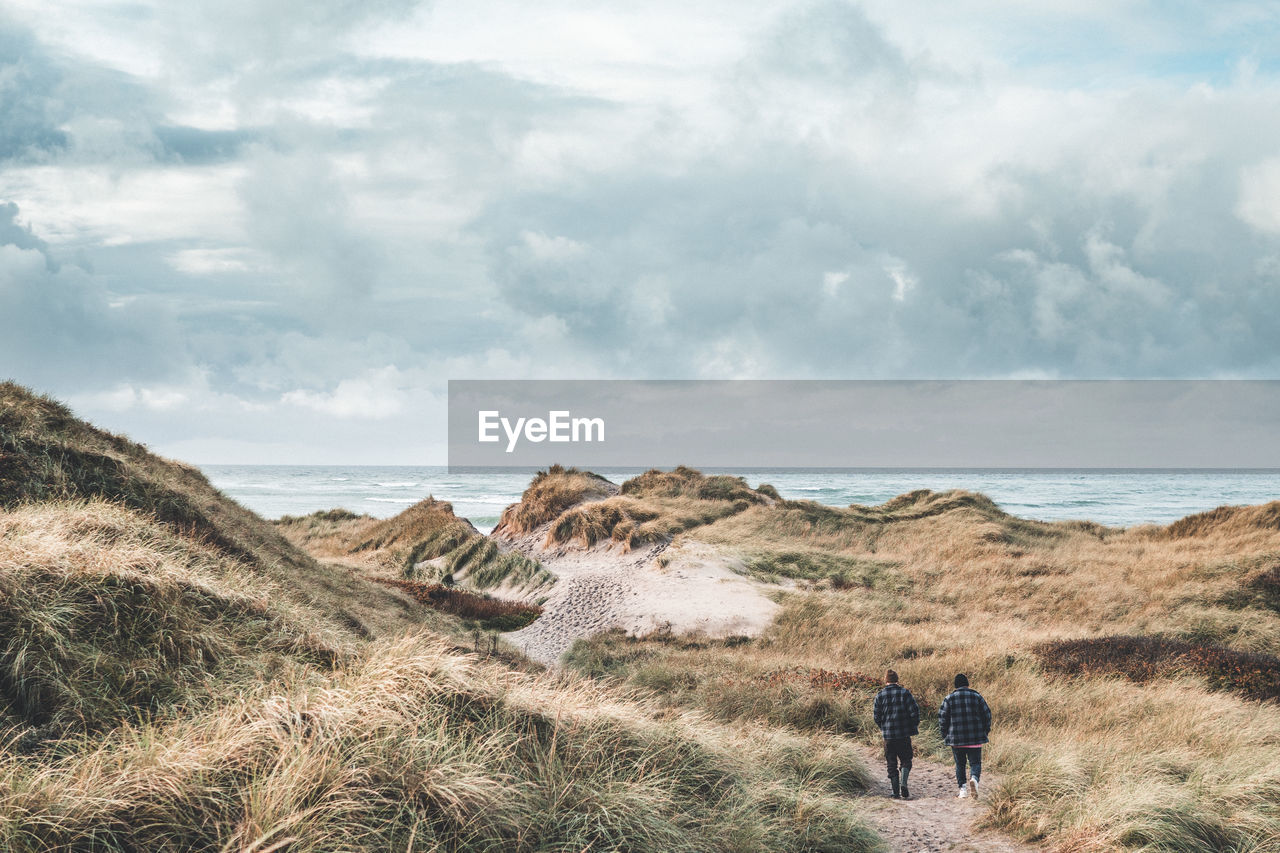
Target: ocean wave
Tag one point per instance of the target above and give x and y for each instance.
(484, 500)
(1111, 497)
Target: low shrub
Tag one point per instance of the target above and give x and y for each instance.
(552, 492)
(493, 613)
(843, 571)
(1141, 659)
(684, 481)
(823, 679)
(1266, 588)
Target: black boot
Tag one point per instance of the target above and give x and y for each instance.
(893, 781)
(906, 794)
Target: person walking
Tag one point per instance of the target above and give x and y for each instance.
(964, 720)
(898, 716)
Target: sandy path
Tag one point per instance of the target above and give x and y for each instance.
(601, 588)
(933, 820)
(693, 587)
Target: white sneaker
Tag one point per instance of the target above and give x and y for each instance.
(973, 788)
(964, 793)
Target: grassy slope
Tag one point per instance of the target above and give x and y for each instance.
(106, 615)
(168, 681)
(48, 454)
(583, 509)
(551, 493)
(427, 532)
(934, 584)
(414, 747)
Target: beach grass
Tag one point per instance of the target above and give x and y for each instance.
(170, 685)
(486, 612)
(425, 542)
(411, 746)
(581, 509)
(177, 675)
(1130, 672)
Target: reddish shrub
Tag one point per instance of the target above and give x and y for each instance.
(1254, 676)
(467, 605)
(822, 679)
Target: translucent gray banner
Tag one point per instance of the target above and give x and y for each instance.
(866, 424)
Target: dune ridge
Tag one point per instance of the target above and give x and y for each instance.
(175, 675)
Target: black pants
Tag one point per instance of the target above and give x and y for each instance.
(973, 755)
(895, 751)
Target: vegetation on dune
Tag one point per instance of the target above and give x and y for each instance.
(1170, 756)
(1260, 590)
(106, 616)
(687, 482)
(427, 532)
(47, 454)
(175, 676)
(327, 533)
(414, 747)
(622, 521)
(424, 531)
(1228, 520)
(633, 523)
(841, 571)
(492, 614)
(1254, 676)
(733, 681)
(923, 503)
(651, 508)
(550, 493)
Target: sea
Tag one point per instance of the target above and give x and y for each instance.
(1114, 497)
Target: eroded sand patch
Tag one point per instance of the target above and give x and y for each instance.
(682, 588)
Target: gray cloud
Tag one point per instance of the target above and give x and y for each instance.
(833, 43)
(1113, 260)
(278, 223)
(243, 38)
(61, 328)
(28, 109)
(198, 146)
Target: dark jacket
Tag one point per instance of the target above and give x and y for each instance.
(896, 712)
(964, 718)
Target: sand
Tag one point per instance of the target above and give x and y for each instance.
(933, 819)
(683, 588)
(692, 587)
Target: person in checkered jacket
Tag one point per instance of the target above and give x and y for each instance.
(964, 720)
(898, 716)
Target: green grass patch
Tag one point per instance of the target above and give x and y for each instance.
(842, 570)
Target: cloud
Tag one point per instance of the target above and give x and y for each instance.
(1259, 204)
(311, 215)
(29, 117)
(376, 395)
(298, 214)
(920, 187)
(60, 326)
(239, 37)
(215, 261)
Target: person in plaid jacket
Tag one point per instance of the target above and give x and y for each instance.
(964, 720)
(898, 716)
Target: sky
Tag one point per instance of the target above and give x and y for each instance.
(246, 232)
